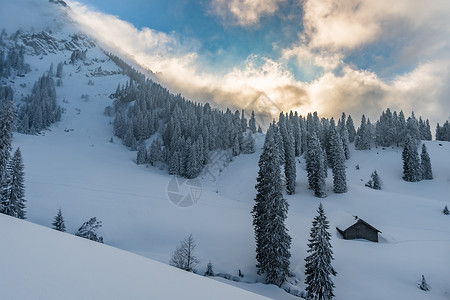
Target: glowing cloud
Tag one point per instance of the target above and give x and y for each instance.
(267, 85)
(243, 12)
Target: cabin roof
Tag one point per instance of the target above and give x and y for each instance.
(346, 221)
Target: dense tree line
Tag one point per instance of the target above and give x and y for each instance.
(12, 62)
(12, 189)
(40, 108)
(184, 132)
(415, 168)
(443, 132)
(391, 129)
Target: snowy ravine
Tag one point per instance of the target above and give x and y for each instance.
(75, 167)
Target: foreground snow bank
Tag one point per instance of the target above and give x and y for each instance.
(41, 263)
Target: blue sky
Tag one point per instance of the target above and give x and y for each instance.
(221, 45)
(330, 55)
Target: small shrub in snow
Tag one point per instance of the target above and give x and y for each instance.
(374, 181)
(446, 211)
(88, 230)
(58, 223)
(209, 269)
(423, 285)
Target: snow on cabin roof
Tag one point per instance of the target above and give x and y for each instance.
(345, 220)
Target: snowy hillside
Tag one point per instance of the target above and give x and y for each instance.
(55, 265)
(76, 167)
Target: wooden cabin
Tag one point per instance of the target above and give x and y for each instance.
(360, 230)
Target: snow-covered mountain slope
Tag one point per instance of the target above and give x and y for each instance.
(75, 167)
(42, 263)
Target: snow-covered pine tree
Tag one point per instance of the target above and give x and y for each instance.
(338, 162)
(363, 137)
(425, 164)
(7, 126)
(183, 257)
(297, 133)
(411, 162)
(141, 156)
(289, 154)
(315, 166)
(58, 222)
(376, 182)
(343, 132)
(269, 213)
(88, 230)
(209, 269)
(412, 128)
(13, 201)
(249, 143)
(318, 268)
(423, 285)
(59, 70)
(351, 129)
(252, 122)
(156, 153)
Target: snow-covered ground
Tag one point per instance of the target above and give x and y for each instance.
(75, 167)
(42, 263)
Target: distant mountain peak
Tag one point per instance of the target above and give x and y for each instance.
(59, 2)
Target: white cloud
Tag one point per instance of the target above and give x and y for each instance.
(243, 12)
(266, 85)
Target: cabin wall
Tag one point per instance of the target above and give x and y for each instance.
(361, 231)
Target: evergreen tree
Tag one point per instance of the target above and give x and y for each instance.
(423, 285)
(338, 163)
(363, 135)
(7, 126)
(351, 129)
(141, 157)
(58, 222)
(315, 166)
(343, 132)
(289, 154)
(88, 230)
(425, 164)
(269, 213)
(374, 182)
(252, 122)
(446, 211)
(249, 143)
(156, 153)
(13, 190)
(318, 267)
(411, 162)
(59, 70)
(209, 269)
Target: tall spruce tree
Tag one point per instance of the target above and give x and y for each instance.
(269, 213)
(7, 126)
(315, 166)
(142, 155)
(318, 268)
(58, 222)
(289, 154)
(338, 163)
(351, 129)
(13, 193)
(425, 164)
(411, 162)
